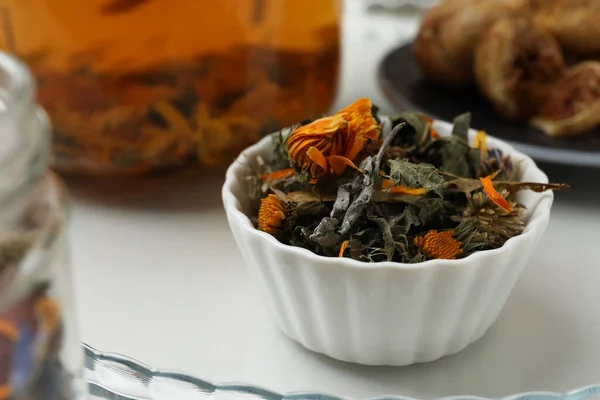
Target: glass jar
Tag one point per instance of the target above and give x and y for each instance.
(40, 355)
(139, 85)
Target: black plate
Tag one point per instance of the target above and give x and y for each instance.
(403, 83)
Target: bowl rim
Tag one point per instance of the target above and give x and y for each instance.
(535, 226)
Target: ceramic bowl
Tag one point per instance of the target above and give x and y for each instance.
(384, 313)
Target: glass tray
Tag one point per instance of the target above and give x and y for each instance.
(116, 377)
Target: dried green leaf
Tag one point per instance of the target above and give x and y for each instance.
(459, 158)
(14, 247)
(379, 196)
(401, 223)
(360, 190)
(388, 238)
(461, 127)
(416, 176)
(414, 133)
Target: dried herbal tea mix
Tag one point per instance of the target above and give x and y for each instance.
(338, 187)
(32, 327)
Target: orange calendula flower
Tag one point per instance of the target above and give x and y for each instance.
(494, 196)
(343, 248)
(278, 175)
(330, 144)
(440, 245)
(271, 214)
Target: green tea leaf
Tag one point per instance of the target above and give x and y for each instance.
(401, 223)
(416, 176)
(458, 157)
(461, 127)
(415, 131)
(388, 238)
(353, 198)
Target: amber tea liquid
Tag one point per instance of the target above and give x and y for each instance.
(136, 85)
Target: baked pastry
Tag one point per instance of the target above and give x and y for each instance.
(514, 64)
(574, 23)
(444, 43)
(573, 104)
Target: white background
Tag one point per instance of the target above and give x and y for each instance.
(159, 278)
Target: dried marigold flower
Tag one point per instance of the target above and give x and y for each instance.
(276, 216)
(271, 214)
(330, 144)
(494, 196)
(362, 127)
(440, 245)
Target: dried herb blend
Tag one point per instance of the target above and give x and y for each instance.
(338, 187)
(32, 325)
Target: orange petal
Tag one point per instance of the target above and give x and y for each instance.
(277, 175)
(338, 164)
(317, 157)
(480, 142)
(343, 248)
(386, 183)
(356, 146)
(9, 330)
(297, 146)
(389, 184)
(407, 190)
(427, 118)
(500, 201)
(320, 128)
(6, 391)
(434, 134)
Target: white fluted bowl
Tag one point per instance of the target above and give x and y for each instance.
(384, 313)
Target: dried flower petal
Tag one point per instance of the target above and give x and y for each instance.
(434, 134)
(9, 330)
(317, 158)
(271, 214)
(338, 164)
(362, 127)
(440, 245)
(6, 391)
(389, 184)
(343, 248)
(328, 145)
(278, 175)
(480, 143)
(48, 313)
(500, 201)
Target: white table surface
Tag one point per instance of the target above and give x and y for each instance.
(159, 278)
